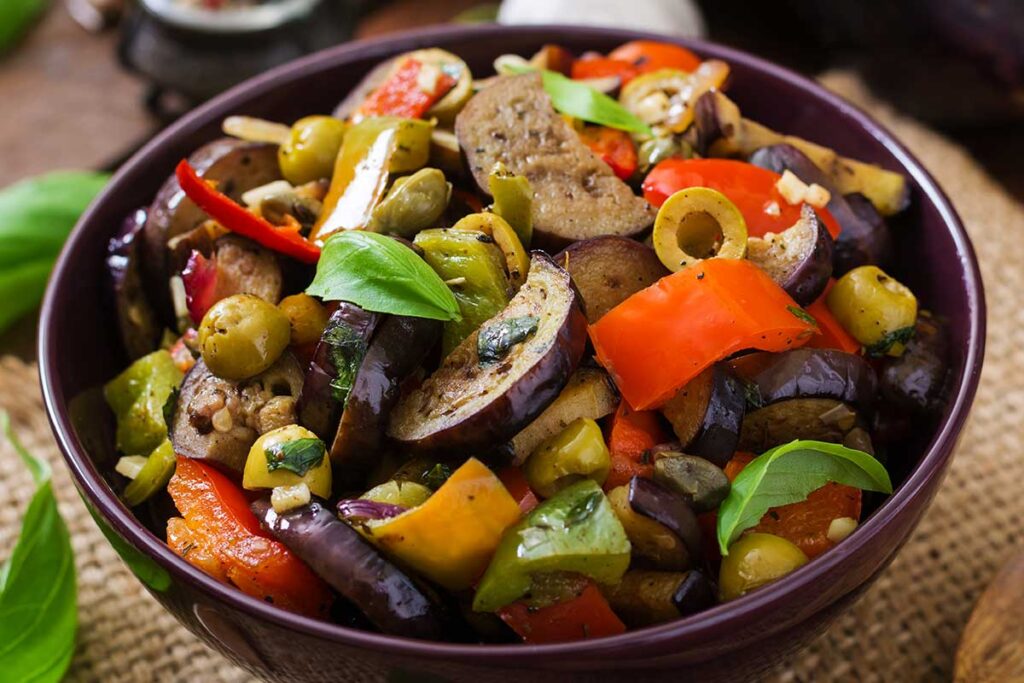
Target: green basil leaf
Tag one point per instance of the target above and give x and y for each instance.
(382, 275)
(579, 100)
(496, 340)
(38, 616)
(802, 315)
(787, 474)
(15, 18)
(437, 476)
(299, 456)
(882, 346)
(347, 349)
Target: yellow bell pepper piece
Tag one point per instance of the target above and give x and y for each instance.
(450, 538)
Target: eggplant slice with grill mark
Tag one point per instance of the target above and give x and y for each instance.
(820, 419)
(814, 373)
(467, 406)
(798, 259)
(706, 415)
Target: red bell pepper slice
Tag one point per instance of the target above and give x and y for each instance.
(219, 534)
(631, 435)
(403, 95)
(587, 615)
(615, 147)
(831, 334)
(751, 188)
(689, 320)
(515, 481)
(651, 55)
(238, 219)
(588, 67)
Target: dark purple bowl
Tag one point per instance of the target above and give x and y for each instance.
(79, 350)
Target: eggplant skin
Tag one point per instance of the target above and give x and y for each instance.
(799, 259)
(467, 409)
(136, 319)
(820, 419)
(336, 552)
(916, 381)
(864, 238)
(818, 373)
(720, 429)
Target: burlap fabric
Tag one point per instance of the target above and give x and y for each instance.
(905, 628)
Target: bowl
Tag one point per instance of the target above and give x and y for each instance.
(78, 351)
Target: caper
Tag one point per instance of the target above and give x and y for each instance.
(702, 483)
(311, 149)
(875, 308)
(413, 203)
(577, 452)
(755, 560)
(307, 317)
(242, 335)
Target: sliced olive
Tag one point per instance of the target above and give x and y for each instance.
(755, 560)
(702, 483)
(875, 308)
(577, 452)
(698, 223)
(413, 203)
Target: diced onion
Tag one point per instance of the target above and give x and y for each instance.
(256, 130)
(792, 189)
(130, 465)
(817, 196)
(840, 528)
(253, 197)
(285, 498)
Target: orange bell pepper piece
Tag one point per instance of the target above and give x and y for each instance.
(615, 147)
(660, 338)
(651, 55)
(451, 537)
(587, 615)
(403, 95)
(631, 435)
(219, 534)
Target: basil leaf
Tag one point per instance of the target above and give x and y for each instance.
(382, 275)
(802, 315)
(496, 340)
(347, 349)
(437, 476)
(15, 18)
(38, 616)
(787, 474)
(882, 346)
(299, 456)
(580, 101)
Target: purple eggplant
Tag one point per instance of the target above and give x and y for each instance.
(654, 501)
(707, 414)
(644, 597)
(799, 258)
(916, 380)
(820, 419)
(361, 509)
(137, 321)
(336, 552)
(468, 405)
(864, 237)
(816, 373)
(694, 594)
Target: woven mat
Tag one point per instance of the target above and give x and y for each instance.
(906, 626)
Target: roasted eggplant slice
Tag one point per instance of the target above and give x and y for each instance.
(608, 270)
(399, 346)
(237, 166)
(799, 258)
(576, 195)
(467, 405)
(916, 380)
(864, 238)
(217, 420)
(589, 394)
(815, 373)
(654, 501)
(820, 419)
(707, 413)
(136, 320)
(644, 598)
(388, 597)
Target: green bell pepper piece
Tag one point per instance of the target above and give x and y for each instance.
(576, 530)
(474, 267)
(153, 476)
(513, 200)
(137, 397)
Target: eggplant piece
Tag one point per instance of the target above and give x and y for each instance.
(916, 381)
(399, 346)
(798, 259)
(589, 394)
(820, 419)
(654, 501)
(336, 552)
(608, 270)
(817, 373)
(339, 352)
(644, 598)
(466, 407)
(865, 238)
(218, 420)
(707, 413)
(237, 166)
(701, 483)
(576, 195)
(136, 319)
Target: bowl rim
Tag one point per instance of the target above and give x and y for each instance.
(702, 627)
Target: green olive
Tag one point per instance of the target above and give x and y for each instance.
(701, 482)
(413, 203)
(877, 310)
(659, 547)
(307, 317)
(259, 475)
(577, 452)
(698, 223)
(755, 560)
(311, 149)
(405, 493)
(242, 335)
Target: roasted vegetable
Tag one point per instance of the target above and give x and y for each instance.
(241, 336)
(645, 598)
(138, 397)
(614, 147)
(579, 616)
(288, 456)
(574, 531)
(669, 509)
(577, 452)
(475, 268)
(464, 406)
(575, 195)
(756, 560)
(236, 265)
(665, 99)
(513, 200)
(589, 395)
(407, 494)
(410, 89)
(701, 483)
(820, 419)
(137, 320)
(812, 373)
(306, 316)
(153, 477)
(388, 597)
(696, 224)
(916, 380)
(651, 543)
(707, 413)
(413, 203)
(608, 270)
(517, 262)
(311, 149)
(876, 309)
(799, 259)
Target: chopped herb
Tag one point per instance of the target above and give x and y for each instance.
(752, 394)
(582, 510)
(802, 314)
(299, 456)
(495, 341)
(347, 348)
(885, 344)
(436, 476)
(170, 405)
